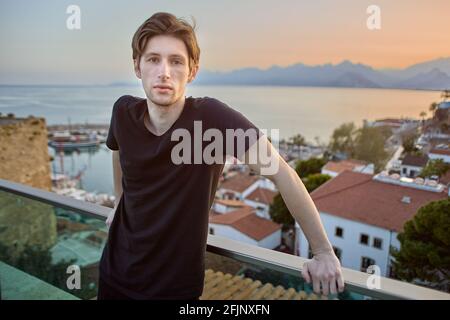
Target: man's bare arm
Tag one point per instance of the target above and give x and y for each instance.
(117, 176)
(324, 269)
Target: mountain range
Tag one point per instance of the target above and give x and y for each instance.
(429, 75)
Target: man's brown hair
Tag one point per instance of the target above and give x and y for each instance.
(163, 23)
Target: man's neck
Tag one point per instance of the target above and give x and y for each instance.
(161, 118)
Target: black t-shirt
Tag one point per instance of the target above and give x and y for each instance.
(157, 240)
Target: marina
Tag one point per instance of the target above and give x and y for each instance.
(76, 138)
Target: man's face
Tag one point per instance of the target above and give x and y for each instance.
(164, 69)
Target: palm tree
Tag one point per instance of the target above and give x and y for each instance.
(318, 141)
(423, 114)
(297, 140)
(433, 108)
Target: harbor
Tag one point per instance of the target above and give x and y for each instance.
(69, 137)
(72, 148)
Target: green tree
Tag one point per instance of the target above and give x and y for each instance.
(313, 181)
(369, 146)
(408, 145)
(306, 167)
(445, 94)
(409, 142)
(297, 140)
(424, 255)
(343, 139)
(423, 114)
(433, 108)
(435, 167)
(280, 213)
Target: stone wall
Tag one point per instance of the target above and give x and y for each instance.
(24, 158)
(24, 154)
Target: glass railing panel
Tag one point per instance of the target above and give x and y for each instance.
(48, 251)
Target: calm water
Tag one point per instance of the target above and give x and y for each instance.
(312, 112)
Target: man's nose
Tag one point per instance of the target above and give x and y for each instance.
(164, 71)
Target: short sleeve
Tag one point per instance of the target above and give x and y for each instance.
(235, 127)
(111, 141)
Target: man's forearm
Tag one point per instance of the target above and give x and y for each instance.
(117, 174)
(303, 209)
(324, 270)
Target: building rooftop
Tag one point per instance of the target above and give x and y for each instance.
(220, 286)
(413, 160)
(239, 182)
(445, 152)
(246, 221)
(444, 105)
(230, 203)
(81, 247)
(356, 196)
(262, 195)
(390, 122)
(339, 166)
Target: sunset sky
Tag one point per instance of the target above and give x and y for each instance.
(37, 48)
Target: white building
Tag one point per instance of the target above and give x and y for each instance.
(261, 199)
(396, 125)
(245, 225)
(255, 191)
(412, 165)
(241, 210)
(363, 214)
(237, 186)
(440, 153)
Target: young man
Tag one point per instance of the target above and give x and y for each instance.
(159, 226)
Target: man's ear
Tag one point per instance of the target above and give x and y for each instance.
(137, 71)
(193, 73)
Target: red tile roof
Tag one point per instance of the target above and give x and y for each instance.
(220, 286)
(262, 195)
(413, 160)
(357, 162)
(246, 221)
(441, 151)
(239, 182)
(355, 196)
(339, 166)
(230, 203)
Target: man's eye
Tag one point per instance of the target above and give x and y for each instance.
(152, 59)
(177, 62)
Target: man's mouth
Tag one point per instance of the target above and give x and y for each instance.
(162, 87)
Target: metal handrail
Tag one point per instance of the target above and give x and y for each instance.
(355, 281)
